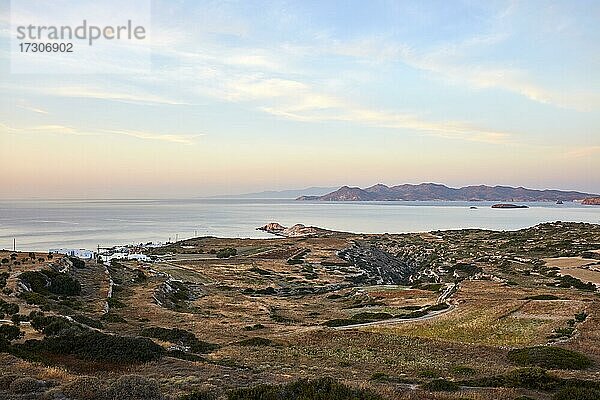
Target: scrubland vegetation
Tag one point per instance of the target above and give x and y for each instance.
(466, 314)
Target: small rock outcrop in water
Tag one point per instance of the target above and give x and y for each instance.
(503, 205)
(297, 230)
(591, 201)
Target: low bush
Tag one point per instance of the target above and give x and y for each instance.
(527, 378)
(180, 337)
(577, 393)
(441, 385)
(26, 385)
(92, 346)
(463, 370)
(438, 307)
(134, 387)
(114, 303)
(319, 389)
(226, 253)
(539, 379)
(110, 317)
(199, 395)
(184, 355)
(77, 262)
(370, 316)
(567, 281)
(33, 298)
(10, 332)
(8, 308)
(3, 278)
(542, 297)
(48, 281)
(254, 327)
(255, 341)
(549, 357)
(84, 388)
(91, 322)
(580, 317)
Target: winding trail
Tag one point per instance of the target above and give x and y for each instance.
(392, 321)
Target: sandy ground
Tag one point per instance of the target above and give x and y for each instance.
(586, 269)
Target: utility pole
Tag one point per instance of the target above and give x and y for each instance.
(14, 244)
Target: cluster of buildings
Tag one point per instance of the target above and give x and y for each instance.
(106, 255)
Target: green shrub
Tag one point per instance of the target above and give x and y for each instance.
(26, 385)
(82, 319)
(568, 281)
(33, 298)
(184, 355)
(577, 393)
(463, 370)
(110, 317)
(340, 322)
(77, 262)
(3, 278)
(199, 395)
(441, 385)
(93, 346)
(10, 332)
(370, 316)
(255, 341)
(8, 308)
(180, 337)
(438, 307)
(134, 387)
(542, 297)
(428, 373)
(254, 327)
(48, 281)
(527, 378)
(580, 317)
(226, 253)
(549, 357)
(562, 332)
(84, 388)
(319, 389)
(114, 303)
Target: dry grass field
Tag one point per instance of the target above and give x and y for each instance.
(417, 316)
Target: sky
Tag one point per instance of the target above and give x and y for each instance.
(247, 96)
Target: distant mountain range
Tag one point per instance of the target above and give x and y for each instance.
(437, 192)
(280, 194)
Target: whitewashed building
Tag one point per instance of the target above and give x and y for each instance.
(80, 253)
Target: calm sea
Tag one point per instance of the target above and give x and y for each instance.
(44, 224)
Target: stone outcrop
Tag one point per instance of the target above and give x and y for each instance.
(297, 230)
(591, 201)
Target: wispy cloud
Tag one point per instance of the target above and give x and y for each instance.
(135, 97)
(32, 109)
(450, 62)
(172, 138)
(584, 151)
(67, 130)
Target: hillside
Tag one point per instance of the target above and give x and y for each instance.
(433, 192)
(384, 317)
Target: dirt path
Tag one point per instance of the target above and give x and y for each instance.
(392, 321)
